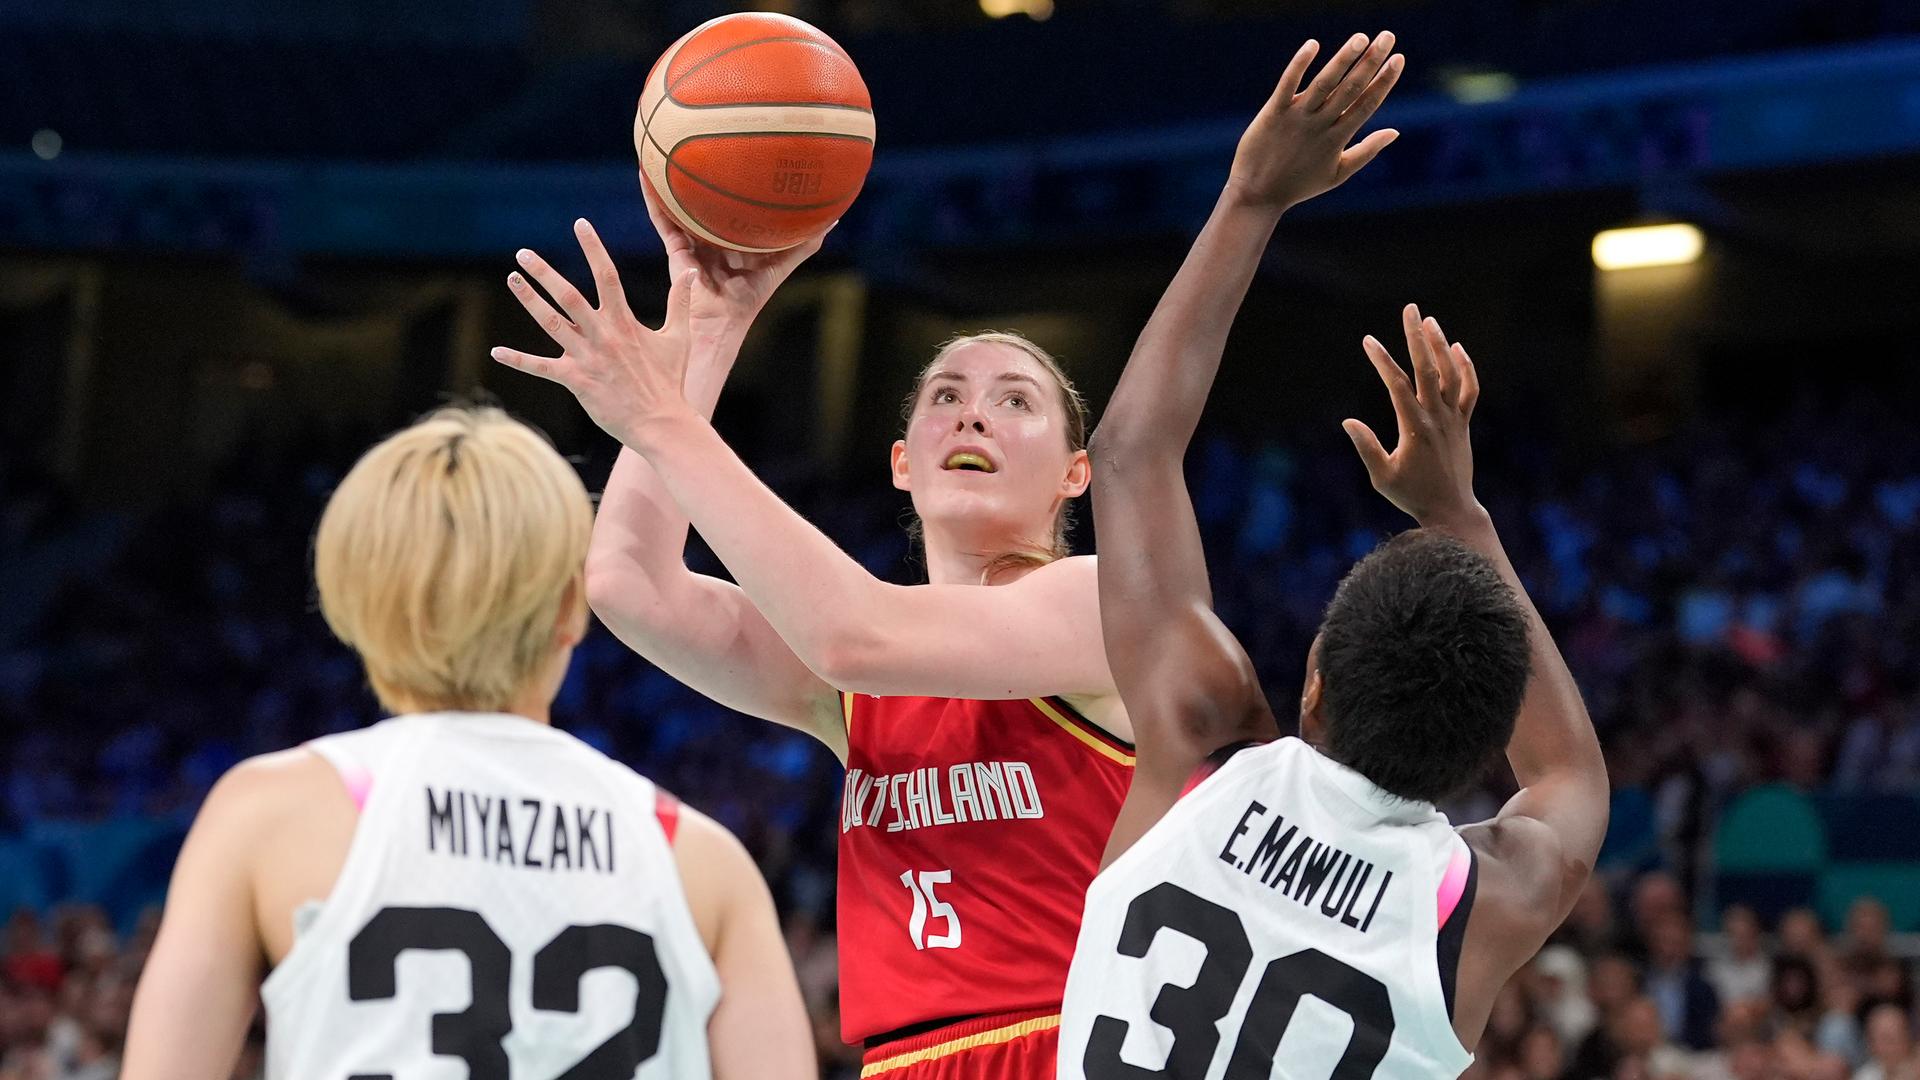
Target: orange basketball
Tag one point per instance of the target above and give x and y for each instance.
(755, 131)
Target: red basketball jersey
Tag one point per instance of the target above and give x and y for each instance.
(969, 831)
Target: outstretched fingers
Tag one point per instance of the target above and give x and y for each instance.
(1405, 406)
(557, 326)
(571, 301)
(1321, 89)
(1367, 444)
(1290, 79)
(1357, 114)
(1469, 380)
(545, 367)
(606, 277)
(1365, 71)
(1354, 158)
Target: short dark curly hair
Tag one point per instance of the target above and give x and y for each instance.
(1423, 663)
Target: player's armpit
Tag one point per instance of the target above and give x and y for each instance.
(1197, 694)
(760, 1027)
(1556, 822)
(1519, 863)
(707, 634)
(197, 992)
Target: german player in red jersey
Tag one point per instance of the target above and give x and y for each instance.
(987, 753)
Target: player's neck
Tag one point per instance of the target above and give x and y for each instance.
(965, 560)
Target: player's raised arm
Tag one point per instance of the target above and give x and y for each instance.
(1186, 682)
(1551, 830)
(853, 630)
(699, 629)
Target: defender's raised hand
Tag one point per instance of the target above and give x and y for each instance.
(623, 373)
(1429, 474)
(1296, 147)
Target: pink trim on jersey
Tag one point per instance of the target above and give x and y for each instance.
(1454, 882)
(667, 809)
(359, 781)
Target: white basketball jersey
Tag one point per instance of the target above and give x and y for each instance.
(509, 909)
(1279, 921)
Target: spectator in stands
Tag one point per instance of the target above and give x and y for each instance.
(1688, 1004)
(1864, 948)
(1640, 1037)
(1744, 971)
(1559, 992)
(1890, 1050)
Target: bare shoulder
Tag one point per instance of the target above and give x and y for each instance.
(260, 791)
(1519, 875)
(715, 870)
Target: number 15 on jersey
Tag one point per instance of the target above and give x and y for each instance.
(926, 906)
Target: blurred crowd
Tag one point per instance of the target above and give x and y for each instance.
(1740, 601)
(1622, 993)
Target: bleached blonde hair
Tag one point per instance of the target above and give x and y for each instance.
(445, 555)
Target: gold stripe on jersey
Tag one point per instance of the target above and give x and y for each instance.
(964, 1042)
(1081, 733)
(846, 708)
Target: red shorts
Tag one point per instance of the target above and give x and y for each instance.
(1008, 1046)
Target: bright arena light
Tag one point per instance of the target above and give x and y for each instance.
(1647, 245)
(1037, 10)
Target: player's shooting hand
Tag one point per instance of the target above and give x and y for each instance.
(1296, 147)
(623, 373)
(1429, 474)
(732, 286)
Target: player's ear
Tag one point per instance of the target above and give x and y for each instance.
(1079, 475)
(1312, 722)
(899, 465)
(570, 626)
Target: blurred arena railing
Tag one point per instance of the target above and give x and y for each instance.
(1655, 132)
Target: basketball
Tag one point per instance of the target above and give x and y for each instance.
(755, 131)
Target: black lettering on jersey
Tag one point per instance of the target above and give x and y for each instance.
(609, 818)
(560, 853)
(1290, 867)
(1323, 860)
(1269, 848)
(1376, 902)
(527, 857)
(1355, 882)
(503, 836)
(440, 820)
(583, 828)
(483, 809)
(1254, 810)
(1331, 905)
(965, 805)
(463, 821)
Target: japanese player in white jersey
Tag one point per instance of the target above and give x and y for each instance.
(1299, 908)
(461, 890)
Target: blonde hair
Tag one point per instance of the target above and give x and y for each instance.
(444, 557)
(1035, 553)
